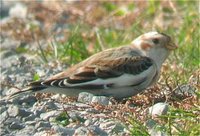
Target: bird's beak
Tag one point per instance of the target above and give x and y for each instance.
(171, 46)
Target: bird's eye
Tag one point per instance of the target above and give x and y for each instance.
(155, 41)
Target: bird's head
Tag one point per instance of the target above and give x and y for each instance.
(152, 40)
(155, 45)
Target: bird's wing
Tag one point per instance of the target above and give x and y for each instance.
(103, 73)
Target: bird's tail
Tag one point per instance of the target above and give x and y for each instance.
(31, 88)
(27, 90)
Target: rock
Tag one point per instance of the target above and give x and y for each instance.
(184, 90)
(112, 127)
(18, 11)
(27, 131)
(13, 111)
(82, 131)
(29, 118)
(9, 44)
(30, 123)
(158, 109)
(100, 100)
(2, 109)
(11, 91)
(153, 128)
(6, 53)
(43, 133)
(40, 126)
(63, 131)
(97, 131)
(28, 99)
(88, 122)
(151, 123)
(16, 125)
(85, 97)
(156, 132)
(3, 117)
(24, 113)
(50, 105)
(47, 115)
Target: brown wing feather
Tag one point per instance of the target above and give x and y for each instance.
(108, 65)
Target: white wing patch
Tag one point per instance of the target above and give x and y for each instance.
(123, 80)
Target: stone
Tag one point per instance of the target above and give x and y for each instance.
(18, 11)
(81, 131)
(47, 115)
(184, 90)
(13, 111)
(151, 123)
(63, 131)
(88, 122)
(50, 105)
(112, 127)
(100, 100)
(2, 108)
(40, 126)
(85, 97)
(27, 131)
(29, 99)
(158, 109)
(156, 132)
(11, 91)
(29, 118)
(97, 131)
(3, 117)
(16, 125)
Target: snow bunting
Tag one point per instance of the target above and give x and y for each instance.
(117, 72)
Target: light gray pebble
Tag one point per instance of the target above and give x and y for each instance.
(3, 108)
(3, 117)
(91, 110)
(18, 11)
(24, 113)
(75, 116)
(42, 124)
(11, 91)
(151, 123)
(42, 133)
(47, 115)
(31, 123)
(63, 131)
(7, 53)
(50, 105)
(29, 118)
(185, 89)
(27, 131)
(158, 109)
(112, 127)
(29, 99)
(82, 131)
(97, 131)
(16, 125)
(38, 112)
(88, 122)
(100, 100)
(13, 110)
(157, 132)
(3, 131)
(85, 97)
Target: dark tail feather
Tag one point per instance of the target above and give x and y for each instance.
(30, 89)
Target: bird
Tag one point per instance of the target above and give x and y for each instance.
(118, 72)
